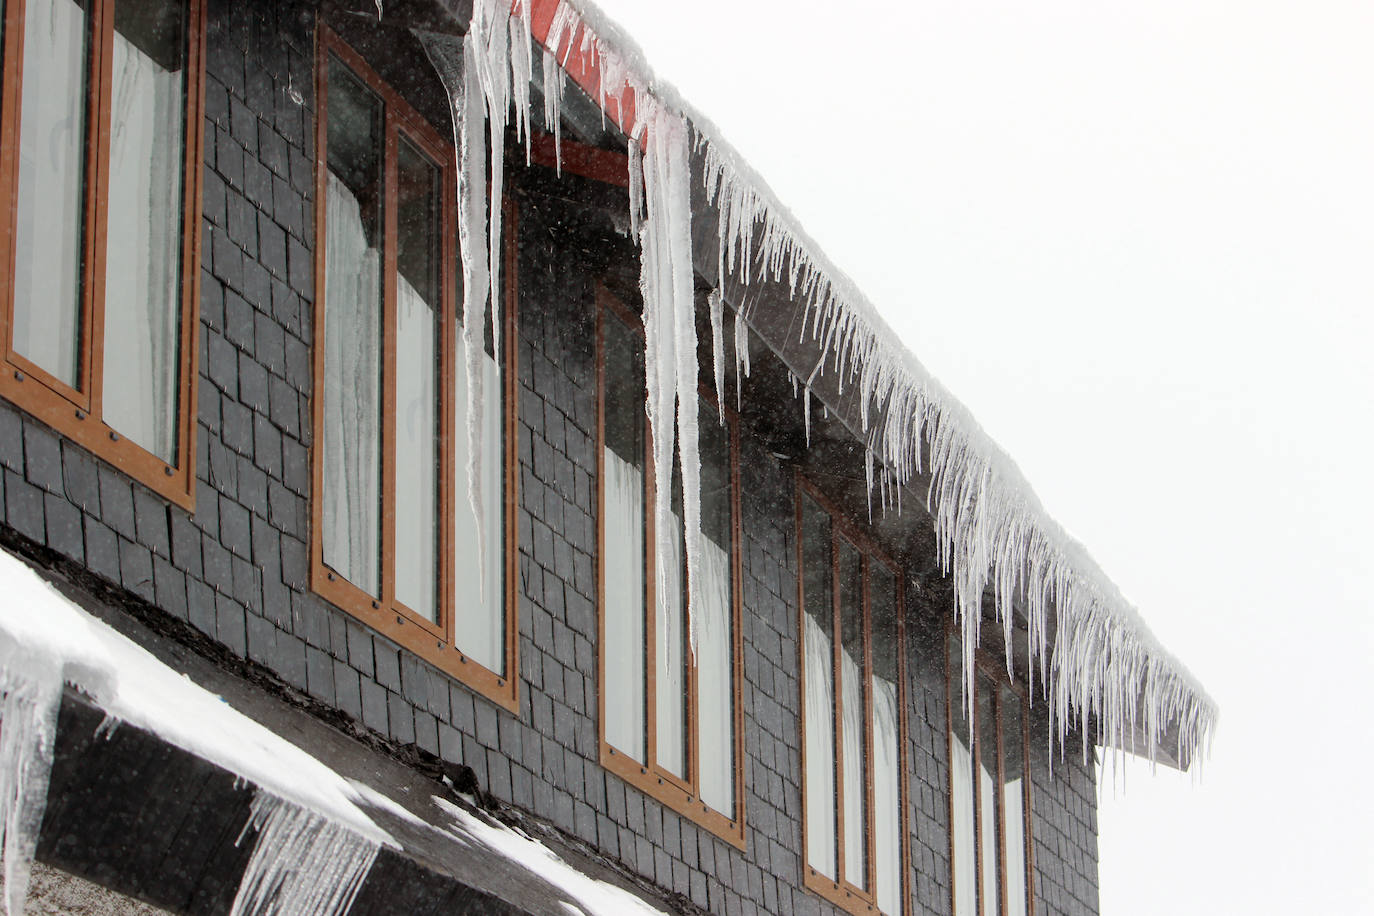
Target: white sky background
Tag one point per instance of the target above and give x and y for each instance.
(1137, 240)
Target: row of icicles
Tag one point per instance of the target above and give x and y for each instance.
(1104, 670)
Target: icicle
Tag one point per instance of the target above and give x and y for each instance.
(302, 863)
(741, 355)
(553, 105)
(636, 167)
(806, 412)
(379, 9)
(30, 693)
(667, 283)
(458, 71)
(717, 307)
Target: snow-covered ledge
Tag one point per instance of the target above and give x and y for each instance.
(315, 831)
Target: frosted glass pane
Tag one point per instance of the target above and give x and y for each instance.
(961, 792)
(853, 706)
(887, 773)
(988, 800)
(418, 306)
(1013, 803)
(715, 624)
(623, 523)
(479, 612)
(819, 702)
(52, 161)
(143, 255)
(351, 440)
(670, 661)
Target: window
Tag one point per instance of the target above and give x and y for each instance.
(853, 724)
(989, 791)
(100, 137)
(396, 541)
(670, 719)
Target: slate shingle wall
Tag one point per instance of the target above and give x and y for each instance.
(238, 568)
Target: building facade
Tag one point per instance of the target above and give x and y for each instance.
(239, 377)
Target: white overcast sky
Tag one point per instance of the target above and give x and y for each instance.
(1137, 240)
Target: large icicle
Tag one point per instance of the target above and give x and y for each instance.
(302, 864)
(30, 693)
(668, 286)
(457, 68)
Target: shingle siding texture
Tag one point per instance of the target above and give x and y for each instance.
(238, 568)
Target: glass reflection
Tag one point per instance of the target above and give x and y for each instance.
(623, 500)
(143, 255)
(961, 790)
(853, 703)
(988, 797)
(715, 621)
(819, 622)
(352, 435)
(887, 772)
(1014, 802)
(418, 307)
(52, 163)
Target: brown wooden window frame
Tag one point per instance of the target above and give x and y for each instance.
(79, 414)
(840, 891)
(989, 667)
(678, 794)
(432, 641)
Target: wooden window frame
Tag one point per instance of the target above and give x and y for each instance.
(432, 641)
(840, 891)
(986, 665)
(79, 414)
(679, 794)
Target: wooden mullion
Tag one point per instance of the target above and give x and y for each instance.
(1026, 804)
(193, 133)
(737, 630)
(867, 750)
(837, 700)
(902, 737)
(801, 662)
(95, 228)
(975, 746)
(389, 357)
(650, 601)
(1000, 820)
(509, 374)
(11, 95)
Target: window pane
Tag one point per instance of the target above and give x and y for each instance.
(623, 523)
(887, 770)
(352, 434)
(143, 254)
(988, 799)
(819, 620)
(479, 623)
(418, 307)
(853, 703)
(670, 661)
(1013, 802)
(52, 162)
(715, 622)
(961, 791)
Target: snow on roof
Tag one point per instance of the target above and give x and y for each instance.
(1103, 667)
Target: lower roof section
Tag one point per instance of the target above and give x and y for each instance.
(146, 812)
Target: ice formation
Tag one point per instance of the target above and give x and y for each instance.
(30, 691)
(1105, 669)
(302, 864)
